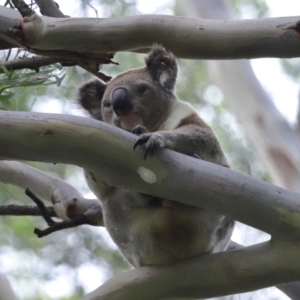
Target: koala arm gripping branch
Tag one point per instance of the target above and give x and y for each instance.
(67, 201)
(196, 141)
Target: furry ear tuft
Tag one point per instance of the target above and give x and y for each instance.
(90, 96)
(162, 66)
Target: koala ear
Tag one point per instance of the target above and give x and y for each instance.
(162, 66)
(90, 96)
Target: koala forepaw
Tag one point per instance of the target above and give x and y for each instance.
(151, 142)
(138, 130)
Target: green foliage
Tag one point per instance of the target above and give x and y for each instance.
(16, 86)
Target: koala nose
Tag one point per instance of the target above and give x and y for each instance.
(120, 101)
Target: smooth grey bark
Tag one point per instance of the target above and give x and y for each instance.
(107, 151)
(206, 276)
(276, 142)
(186, 37)
(6, 291)
(292, 290)
(49, 8)
(67, 201)
(8, 19)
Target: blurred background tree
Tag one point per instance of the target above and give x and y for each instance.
(57, 266)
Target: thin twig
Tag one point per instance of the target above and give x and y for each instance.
(24, 210)
(92, 7)
(40, 204)
(53, 225)
(33, 63)
(81, 220)
(95, 72)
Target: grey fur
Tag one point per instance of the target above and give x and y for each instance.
(150, 230)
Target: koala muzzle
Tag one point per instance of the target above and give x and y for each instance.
(120, 101)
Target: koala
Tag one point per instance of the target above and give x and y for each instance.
(150, 230)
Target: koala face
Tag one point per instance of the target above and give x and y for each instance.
(141, 96)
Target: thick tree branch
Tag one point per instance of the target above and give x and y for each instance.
(9, 18)
(187, 38)
(207, 276)
(107, 151)
(292, 290)
(91, 62)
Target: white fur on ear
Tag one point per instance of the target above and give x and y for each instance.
(164, 78)
(163, 67)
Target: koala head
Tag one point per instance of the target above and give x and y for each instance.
(141, 96)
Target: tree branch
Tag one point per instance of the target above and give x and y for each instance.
(39, 203)
(207, 276)
(209, 39)
(91, 63)
(49, 8)
(6, 290)
(33, 63)
(292, 290)
(107, 152)
(23, 8)
(67, 201)
(24, 210)
(53, 225)
(12, 18)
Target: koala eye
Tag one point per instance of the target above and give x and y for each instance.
(142, 88)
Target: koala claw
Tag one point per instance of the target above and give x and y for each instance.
(151, 141)
(195, 155)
